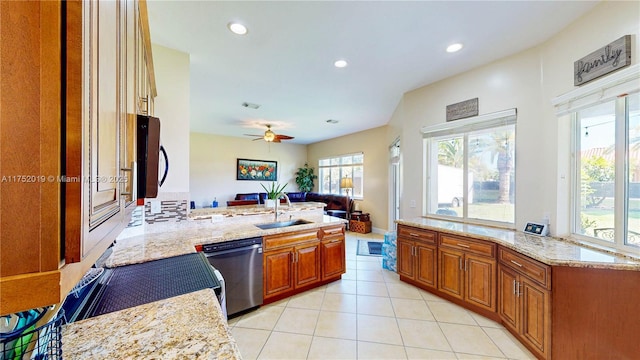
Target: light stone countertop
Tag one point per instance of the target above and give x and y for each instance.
(548, 250)
(181, 238)
(188, 326)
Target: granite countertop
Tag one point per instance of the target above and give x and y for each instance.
(244, 210)
(189, 326)
(548, 250)
(182, 239)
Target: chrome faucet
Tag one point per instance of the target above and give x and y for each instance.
(276, 206)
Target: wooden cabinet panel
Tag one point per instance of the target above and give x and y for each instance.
(508, 307)
(470, 246)
(307, 264)
(535, 270)
(427, 236)
(405, 258)
(278, 272)
(289, 239)
(535, 315)
(450, 272)
(480, 281)
(333, 258)
(426, 270)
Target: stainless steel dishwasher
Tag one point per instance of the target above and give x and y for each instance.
(240, 262)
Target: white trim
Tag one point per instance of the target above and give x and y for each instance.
(622, 82)
(504, 117)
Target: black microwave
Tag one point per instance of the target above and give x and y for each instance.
(148, 159)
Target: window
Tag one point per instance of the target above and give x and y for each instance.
(332, 170)
(471, 168)
(607, 173)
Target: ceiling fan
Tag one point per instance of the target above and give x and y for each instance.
(270, 136)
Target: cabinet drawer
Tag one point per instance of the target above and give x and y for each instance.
(331, 232)
(473, 246)
(417, 234)
(289, 239)
(534, 269)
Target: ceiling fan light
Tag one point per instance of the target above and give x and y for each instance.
(269, 135)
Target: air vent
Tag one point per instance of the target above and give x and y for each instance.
(250, 105)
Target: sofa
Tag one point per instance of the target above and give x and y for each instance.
(335, 205)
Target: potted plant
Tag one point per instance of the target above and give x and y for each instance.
(273, 194)
(304, 178)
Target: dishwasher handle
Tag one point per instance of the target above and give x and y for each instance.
(244, 248)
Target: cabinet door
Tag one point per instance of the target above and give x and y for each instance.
(451, 274)
(426, 265)
(307, 264)
(405, 258)
(333, 258)
(508, 308)
(535, 315)
(128, 106)
(480, 281)
(278, 272)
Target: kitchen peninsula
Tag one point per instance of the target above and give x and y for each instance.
(174, 327)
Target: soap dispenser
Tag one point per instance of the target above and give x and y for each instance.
(214, 203)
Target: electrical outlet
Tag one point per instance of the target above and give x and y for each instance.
(412, 204)
(156, 206)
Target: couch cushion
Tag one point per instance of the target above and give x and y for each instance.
(248, 196)
(297, 196)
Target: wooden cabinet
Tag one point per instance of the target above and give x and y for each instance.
(301, 260)
(291, 261)
(59, 216)
(417, 256)
(333, 252)
(524, 300)
(467, 270)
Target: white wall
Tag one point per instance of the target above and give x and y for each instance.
(172, 108)
(526, 81)
(213, 161)
(376, 168)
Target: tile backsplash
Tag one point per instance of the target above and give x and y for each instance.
(173, 208)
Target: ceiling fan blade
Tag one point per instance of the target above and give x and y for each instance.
(256, 139)
(284, 137)
(253, 135)
(276, 139)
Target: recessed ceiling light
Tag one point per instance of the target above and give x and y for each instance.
(237, 28)
(332, 121)
(454, 47)
(340, 63)
(250, 105)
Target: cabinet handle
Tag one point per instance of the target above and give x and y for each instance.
(514, 287)
(465, 264)
(334, 241)
(464, 246)
(414, 234)
(460, 263)
(519, 289)
(517, 263)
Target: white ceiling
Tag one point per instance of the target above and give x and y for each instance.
(285, 62)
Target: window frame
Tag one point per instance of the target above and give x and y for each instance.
(623, 82)
(340, 165)
(463, 128)
(621, 177)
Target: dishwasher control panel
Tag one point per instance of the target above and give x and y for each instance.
(227, 245)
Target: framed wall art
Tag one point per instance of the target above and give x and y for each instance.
(258, 170)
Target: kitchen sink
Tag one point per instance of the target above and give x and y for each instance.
(281, 224)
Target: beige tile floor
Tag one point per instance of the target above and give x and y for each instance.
(370, 314)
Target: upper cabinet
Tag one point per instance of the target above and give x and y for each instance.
(78, 140)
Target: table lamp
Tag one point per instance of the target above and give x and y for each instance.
(346, 184)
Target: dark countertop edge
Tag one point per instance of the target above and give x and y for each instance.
(543, 259)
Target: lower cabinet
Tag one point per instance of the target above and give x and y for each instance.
(300, 260)
(417, 256)
(524, 300)
(467, 271)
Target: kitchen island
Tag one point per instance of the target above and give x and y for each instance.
(190, 325)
